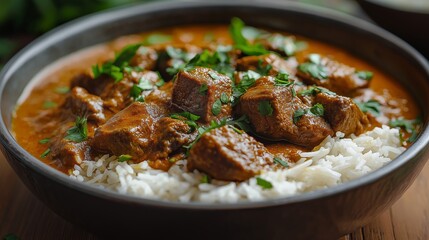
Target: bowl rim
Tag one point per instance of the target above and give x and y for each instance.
(68, 29)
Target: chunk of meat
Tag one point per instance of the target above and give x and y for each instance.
(170, 135)
(278, 124)
(82, 103)
(69, 153)
(128, 132)
(271, 62)
(142, 131)
(199, 91)
(225, 154)
(145, 58)
(343, 114)
(338, 77)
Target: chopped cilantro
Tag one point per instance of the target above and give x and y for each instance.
(285, 44)
(265, 108)
(119, 65)
(371, 106)
(203, 89)
(79, 132)
(314, 90)
(49, 104)
(157, 38)
(214, 75)
(280, 161)
(316, 110)
(263, 183)
(298, 114)
(263, 69)
(282, 79)
(45, 140)
(205, 179)
(410, 126)
(240, 42)
(224, 98)
(217, 107)
(365, 75)
(124, 158)
(218, 61)
(242, 122)
(314, 67)
(248, 80)
(188, 117)
(62, 90)
(45, 153)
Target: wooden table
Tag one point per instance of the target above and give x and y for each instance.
(26, 217)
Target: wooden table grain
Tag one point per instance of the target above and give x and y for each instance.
(24, 216)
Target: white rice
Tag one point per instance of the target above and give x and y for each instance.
(335, 161)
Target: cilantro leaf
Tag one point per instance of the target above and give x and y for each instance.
(157, 38)
(241, 43)
(217, 107)
(280, 162)
(371, 106)
(365, 75)
(79, 132)
(264, 183)
(265, 108)
(124, 158)
(314, 67)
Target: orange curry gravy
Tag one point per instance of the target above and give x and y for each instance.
(49, 87)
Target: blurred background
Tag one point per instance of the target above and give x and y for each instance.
(21, 21)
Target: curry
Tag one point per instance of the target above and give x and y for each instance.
(232, 100)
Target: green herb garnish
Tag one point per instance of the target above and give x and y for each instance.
(314, 90)
(263, 70)
(157, 38)
(224, 98)
(265, 108)
(316, 110)
(365, 75)
(263, 183)
(286, 44)
(240, 42)
(118, 66)
(203, 89)
(205, 179)
(79, 132)
(280, 161)
(124, 158)
(410, 126)
(44, 141)
(298, 114)
(282, 79)
(371, 106)
(188, 117)
(45, 153)
(217, 107)
(49, 104)
(314, 67)
(62, 90)
(248, 80)
(219, 61)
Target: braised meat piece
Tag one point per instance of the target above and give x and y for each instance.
(204, 92)
(270, 63)
(170, 135)
(128, 132)
(343, 114)
(145, 58)
(333, 75)
(69, 153)
(225, 154)
(93, 86)
(117, 95)
(271, 110)
(82, 103)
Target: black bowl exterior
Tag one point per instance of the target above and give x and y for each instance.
(400, 22)
(323, 214)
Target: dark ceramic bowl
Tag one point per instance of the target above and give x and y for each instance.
(323, 214)
(404, 22)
